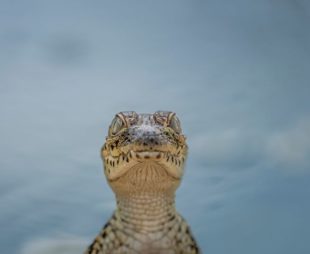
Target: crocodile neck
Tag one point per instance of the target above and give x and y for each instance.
(146, 212)
(146, 199)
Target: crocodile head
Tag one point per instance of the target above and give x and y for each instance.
(144, 148)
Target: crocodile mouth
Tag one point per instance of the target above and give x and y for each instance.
(143, 155)
(171, 163)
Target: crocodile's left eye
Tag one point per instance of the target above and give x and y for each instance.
(175, 124)
(116, 126)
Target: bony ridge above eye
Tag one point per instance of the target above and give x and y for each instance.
(174, 123)
(116, 126)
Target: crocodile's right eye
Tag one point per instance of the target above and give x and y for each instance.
(116, 126)
(175, 124)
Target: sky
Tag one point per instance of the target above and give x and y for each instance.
(235, 72)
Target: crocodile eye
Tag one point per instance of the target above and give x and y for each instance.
(116, 126)
(162, 117)
(174, 124)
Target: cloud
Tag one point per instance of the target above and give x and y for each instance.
(290, 149)
(236, 148)
(227, 148)
(52, 246)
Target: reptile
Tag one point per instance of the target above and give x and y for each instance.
(144, 157)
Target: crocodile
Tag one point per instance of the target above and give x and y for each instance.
(143, 158)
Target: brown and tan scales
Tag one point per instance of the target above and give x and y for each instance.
(144, 156)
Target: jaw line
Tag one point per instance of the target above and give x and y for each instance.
(146, 156)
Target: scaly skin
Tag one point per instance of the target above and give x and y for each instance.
(144, 158)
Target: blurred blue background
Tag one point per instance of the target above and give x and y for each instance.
(237, 74)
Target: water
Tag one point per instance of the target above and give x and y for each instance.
(235, 72)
